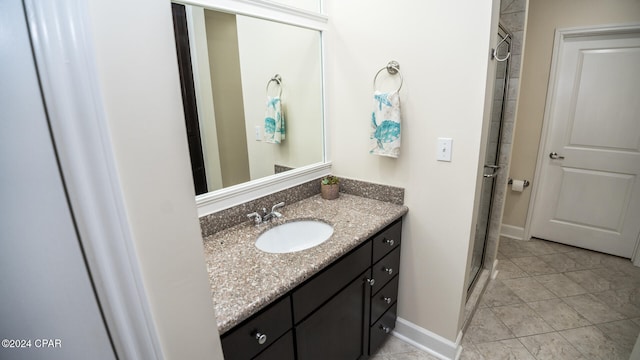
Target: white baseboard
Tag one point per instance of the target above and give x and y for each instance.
(513, 232)
(427, 341)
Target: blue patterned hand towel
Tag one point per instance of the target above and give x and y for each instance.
(385, 124)
(274, 121)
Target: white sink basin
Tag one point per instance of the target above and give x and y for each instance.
(294, 236)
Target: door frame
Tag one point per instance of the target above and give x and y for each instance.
(559, 39)
(66, 65)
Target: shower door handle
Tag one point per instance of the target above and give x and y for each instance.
(495, 169)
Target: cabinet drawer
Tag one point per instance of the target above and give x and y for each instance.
(283, 349)
(323, 286)
(383, 300)
(242, 342)
(387, 240)
(385, 269)
(382, 328)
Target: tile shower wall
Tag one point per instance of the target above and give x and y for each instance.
(512, 17)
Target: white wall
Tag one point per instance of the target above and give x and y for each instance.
(268, 48)
(442, 48)
(138, 78)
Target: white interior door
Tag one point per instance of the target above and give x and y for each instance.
(589, 192)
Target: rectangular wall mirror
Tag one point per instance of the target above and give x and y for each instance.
(306, 5)
(228, 63)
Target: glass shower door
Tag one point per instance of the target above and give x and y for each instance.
(492, 155)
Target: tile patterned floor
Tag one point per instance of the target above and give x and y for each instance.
(396, 349)
(549, 301)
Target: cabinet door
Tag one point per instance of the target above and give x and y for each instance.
(335, 331)
(327, 283)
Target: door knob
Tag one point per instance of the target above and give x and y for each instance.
(554, 155)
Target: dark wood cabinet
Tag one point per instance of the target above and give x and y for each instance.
(334, 331)
(386, 240)
(384, 294)
(383, 299)
(386, 269)
(321, 287)
(343, 312)
(381, 329)
(282, 349)
(257, 333)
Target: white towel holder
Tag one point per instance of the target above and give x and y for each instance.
(278, 80)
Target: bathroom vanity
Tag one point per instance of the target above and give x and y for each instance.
(334, 301)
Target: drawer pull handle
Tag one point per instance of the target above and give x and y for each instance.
(389, 242)
(262, 338)
(386, 299)
(385, 329)
(371, 282)
(387, 270)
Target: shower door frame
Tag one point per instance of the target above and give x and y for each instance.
(504, 33)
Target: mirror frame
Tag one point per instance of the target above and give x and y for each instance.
(237, 194)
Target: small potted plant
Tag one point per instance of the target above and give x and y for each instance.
(329, 187)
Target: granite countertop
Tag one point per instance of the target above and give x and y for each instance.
(244, 279)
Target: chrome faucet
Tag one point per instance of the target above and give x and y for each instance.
(273, 212)
(259, 219)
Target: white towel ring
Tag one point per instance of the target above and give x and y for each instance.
(393, 68)
(278, 80)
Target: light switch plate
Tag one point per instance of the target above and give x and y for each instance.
(258, 133)
(444, 149)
